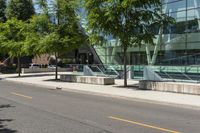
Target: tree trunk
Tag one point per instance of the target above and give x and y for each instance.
(19, 66)
(56, 71)
(125, 64)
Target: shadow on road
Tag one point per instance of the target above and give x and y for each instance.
(3, 122)
(6, 106)
(1, 78)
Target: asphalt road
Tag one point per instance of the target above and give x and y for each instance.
(29, 109)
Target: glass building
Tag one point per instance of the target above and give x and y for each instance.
(180, 42)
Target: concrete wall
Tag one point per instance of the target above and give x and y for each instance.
(68, 77)
(188, 88)
(40, 70)
(87, 79)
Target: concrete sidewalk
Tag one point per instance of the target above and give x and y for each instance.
(117, 90)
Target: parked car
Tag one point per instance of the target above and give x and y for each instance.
(33, 65)
(51, 66)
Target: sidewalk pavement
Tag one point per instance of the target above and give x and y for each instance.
(117, 90)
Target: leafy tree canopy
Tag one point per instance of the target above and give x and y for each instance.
(20, 9)
(62, 33)
(17, 39)
(58, 28)
(2, 10)
(129, 20)
(12, 37)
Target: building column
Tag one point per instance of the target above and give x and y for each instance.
(197, 13)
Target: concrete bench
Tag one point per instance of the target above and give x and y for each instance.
(87, 79)
(187, 88)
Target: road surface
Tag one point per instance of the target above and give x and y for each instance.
(29, 109)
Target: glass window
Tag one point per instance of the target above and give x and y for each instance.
(194, 37)
(193, 26)
(193, 14)
(174, 6)
(193, 3)
(170, 1)
(179, 16)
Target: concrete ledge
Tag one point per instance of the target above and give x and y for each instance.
(40, 70)
(187, 88)
(95, 80)
(87, 79)
(68, 77)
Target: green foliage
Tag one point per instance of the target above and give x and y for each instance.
(62, 35)
(3, 39)
(31, 43)
(130, 21)
(17, 39)
(20, 9)
(40, 24)
(43, 6)
(12, 37)
(2, 10)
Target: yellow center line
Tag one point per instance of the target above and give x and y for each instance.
(21, 95)
(142, 124)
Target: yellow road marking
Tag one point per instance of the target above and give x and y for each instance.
(144, 125)
(21, 95)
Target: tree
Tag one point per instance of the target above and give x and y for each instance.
(62, 33)
(130, 21)
(43, 6)
(2, 10)
(12, 38)
(34, 32)
(3, 38)
(20, 9)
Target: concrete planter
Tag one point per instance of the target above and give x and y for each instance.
(87, 79)
(188, 88)
(68, 78)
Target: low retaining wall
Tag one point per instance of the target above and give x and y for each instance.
(40, 70)
(187, 88)
(68, 77)
(87, 79)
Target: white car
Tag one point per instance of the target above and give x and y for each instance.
(51, 66)
(34, 66)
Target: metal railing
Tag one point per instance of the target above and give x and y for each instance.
(175, 73)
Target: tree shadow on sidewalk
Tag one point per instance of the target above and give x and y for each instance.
(130, 86)
(33, 75)
(3, 125)
(54, 80)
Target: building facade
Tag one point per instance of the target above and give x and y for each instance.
(180, 42)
